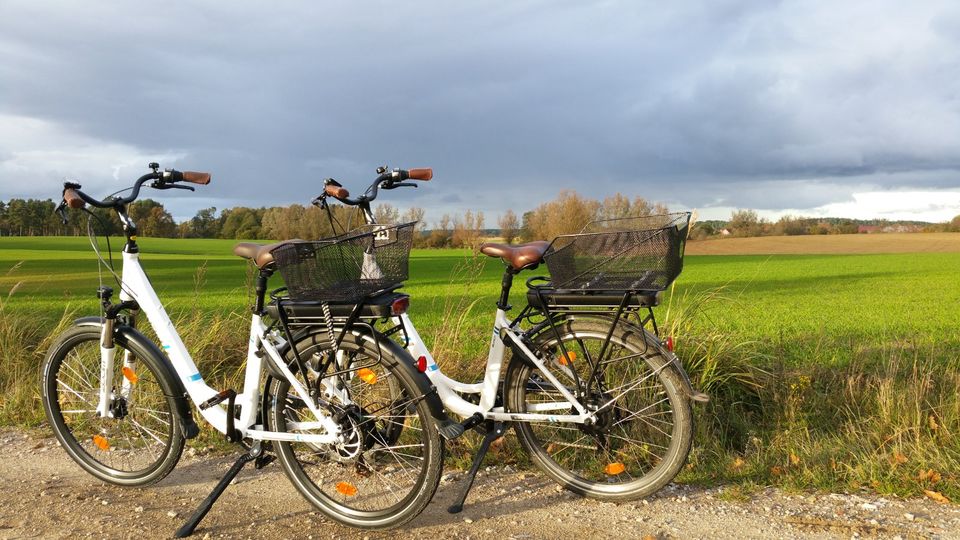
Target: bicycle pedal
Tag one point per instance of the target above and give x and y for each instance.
(263, 460)
(224, 395)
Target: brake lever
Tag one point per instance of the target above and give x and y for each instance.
(167, 185)
(401, 184)
(61, 211)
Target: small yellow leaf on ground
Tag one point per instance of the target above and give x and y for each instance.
(897, 458)
(933, 423)
(794, 459)
(738, 464)
(776, 470)
(936, 495)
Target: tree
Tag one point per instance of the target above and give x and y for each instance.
(745, 223)
(241, 223)
(386, 213)
(466, 231)
(205, 224)
(417, 215)
(159, 223)
(568, 213)
(440, 235)
(508, 226)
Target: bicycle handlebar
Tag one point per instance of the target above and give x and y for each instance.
(386, 180)
(74, 198)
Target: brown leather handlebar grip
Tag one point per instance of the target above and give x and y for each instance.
(339, 192)
(202, 178)
(420, 174)
(73, 200)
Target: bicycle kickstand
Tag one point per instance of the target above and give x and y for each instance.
(255, 454)
(494, 432)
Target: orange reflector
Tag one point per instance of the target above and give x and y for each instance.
(346, 488)
(101, 443)
(614, 468)
(130, 375)
(367, 375)
(567, 358)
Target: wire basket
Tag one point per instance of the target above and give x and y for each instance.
(349, 267)
(629, 254)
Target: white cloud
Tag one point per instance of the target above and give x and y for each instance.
(37, 155)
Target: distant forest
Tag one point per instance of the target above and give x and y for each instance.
(569, 212)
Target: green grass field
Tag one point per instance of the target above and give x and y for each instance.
(764, 296)
(823, 368)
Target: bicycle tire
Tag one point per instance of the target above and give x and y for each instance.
(138, 448)
(329, 476)
(618, 468)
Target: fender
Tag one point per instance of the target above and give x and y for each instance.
(448, 428)
(124, 334)
(650, 340)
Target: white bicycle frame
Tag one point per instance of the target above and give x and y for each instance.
(136, 286)
(448, 388)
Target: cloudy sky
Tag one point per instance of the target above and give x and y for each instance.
(814, 108)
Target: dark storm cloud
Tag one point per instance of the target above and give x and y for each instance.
(726, 104)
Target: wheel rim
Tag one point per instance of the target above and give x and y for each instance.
(633, 439)
(381, 477)
(139, 438)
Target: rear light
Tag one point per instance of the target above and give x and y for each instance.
(400, 305)
(422, 364)
(669, 343)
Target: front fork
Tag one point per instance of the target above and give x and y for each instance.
(107, 395)
(108, 351)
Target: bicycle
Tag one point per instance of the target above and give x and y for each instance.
(599, 402)
(357, 429)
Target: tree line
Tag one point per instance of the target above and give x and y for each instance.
(744, 223)
(569, 212)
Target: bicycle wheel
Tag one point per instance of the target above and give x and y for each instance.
(387, 465)
(642, 436)
(142, 441)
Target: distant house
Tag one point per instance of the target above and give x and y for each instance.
(869, 229)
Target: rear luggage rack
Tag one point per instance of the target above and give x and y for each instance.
(298, 313)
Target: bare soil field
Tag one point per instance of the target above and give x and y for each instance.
(829, 244)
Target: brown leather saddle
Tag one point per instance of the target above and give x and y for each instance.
(517, 257)
(260, 254)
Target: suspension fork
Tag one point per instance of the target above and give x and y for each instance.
(108, 351)
(129, 363)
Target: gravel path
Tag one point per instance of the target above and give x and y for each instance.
(45, 495)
